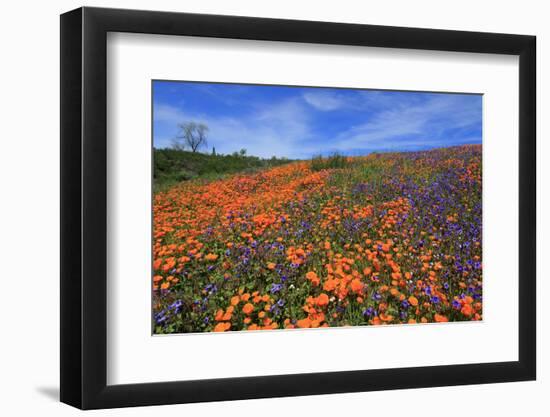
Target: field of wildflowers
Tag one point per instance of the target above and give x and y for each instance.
(390, 238)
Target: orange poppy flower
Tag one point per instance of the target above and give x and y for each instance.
(330, 285)
(386, 317)
(356, 286)
(322, 300)
(156, 264)
(304, 323)
(440, 318)
(248, 308)
(222, 327)
(312, 276)
(467, 310)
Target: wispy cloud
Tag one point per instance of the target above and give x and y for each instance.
(323, 100)
(432, 122)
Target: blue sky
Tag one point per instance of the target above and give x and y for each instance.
(299, 122)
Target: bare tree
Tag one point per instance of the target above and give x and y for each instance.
(192, 135)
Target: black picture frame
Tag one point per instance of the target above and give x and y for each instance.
(84, 207)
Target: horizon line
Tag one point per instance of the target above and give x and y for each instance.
(325, 155)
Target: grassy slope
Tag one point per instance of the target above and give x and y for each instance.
(172, 166)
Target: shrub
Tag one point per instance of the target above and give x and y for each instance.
(335, 161)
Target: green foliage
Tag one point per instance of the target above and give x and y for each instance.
(334, 161)
(171, 166)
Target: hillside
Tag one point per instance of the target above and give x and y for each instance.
(391, 238)
(171, 166)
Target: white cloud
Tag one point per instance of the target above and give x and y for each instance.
(324, 101)
(276, 130)
(412, 124)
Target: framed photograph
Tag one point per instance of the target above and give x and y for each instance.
(256, 208)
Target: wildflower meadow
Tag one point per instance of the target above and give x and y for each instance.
(382, 239)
